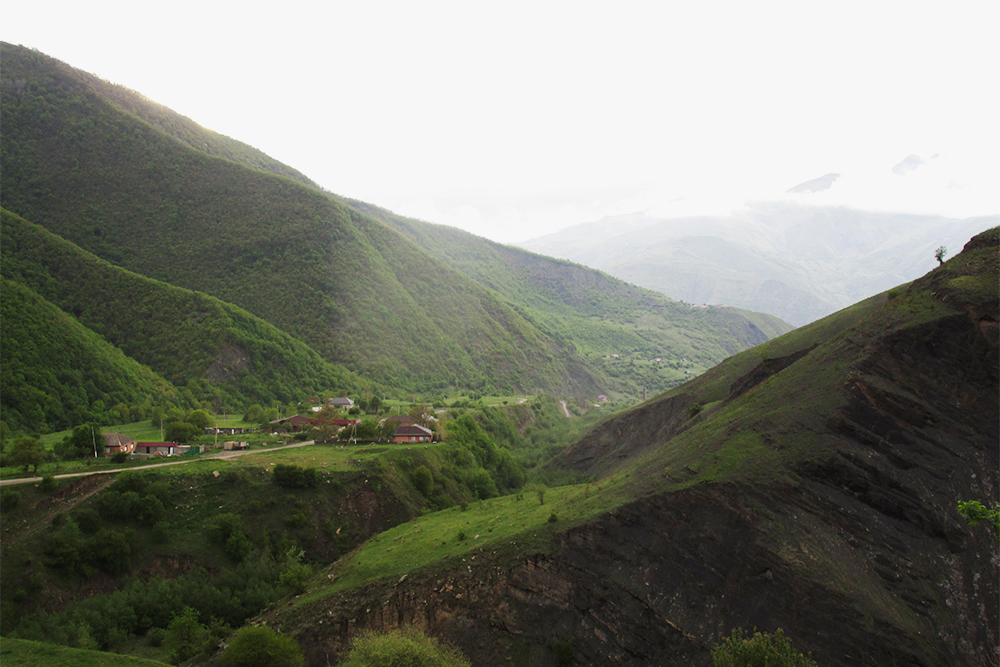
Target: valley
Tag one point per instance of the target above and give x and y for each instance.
(595, 472)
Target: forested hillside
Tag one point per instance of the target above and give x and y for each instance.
(57, 373)
(345, 284)
(600, 314)
(145, 189)
(211, 350)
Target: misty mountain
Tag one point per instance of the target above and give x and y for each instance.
(796, 262)
(136, 185)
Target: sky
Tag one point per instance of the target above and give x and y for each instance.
(513, 120)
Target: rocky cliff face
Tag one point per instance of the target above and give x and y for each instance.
(857, 552)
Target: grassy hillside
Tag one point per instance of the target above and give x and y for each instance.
(345, 284)
(600, 315)
(215, 351)
(24, 653)
(821, 469)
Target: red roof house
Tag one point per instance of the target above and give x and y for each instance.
(412, 433)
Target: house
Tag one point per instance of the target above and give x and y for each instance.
(116, 443)
(297, 422)
(412, 433)
(344, 423)
(161, 448)
(231, 445)
(342, 402)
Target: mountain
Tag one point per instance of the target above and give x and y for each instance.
(135, 185)
(600, 315)
(797, 262)
(807, 484)
(203, 346)
(57, 373)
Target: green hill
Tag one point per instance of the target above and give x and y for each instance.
(56, 372)
(345, 284)
(214, 351)
(149, 191)
(808, 484)
(599, 314)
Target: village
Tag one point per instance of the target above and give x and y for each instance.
(325, 426)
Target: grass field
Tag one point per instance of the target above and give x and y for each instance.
(505, 524)
(20, 652)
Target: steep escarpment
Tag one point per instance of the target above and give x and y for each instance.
(815, 493)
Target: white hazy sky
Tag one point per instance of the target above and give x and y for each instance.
(516, 119)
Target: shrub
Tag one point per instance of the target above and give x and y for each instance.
(48, 484)
(423, 480)
(759, 650)
(564, 653)
(294, 477)
(261, 647)
(407, 647)
(9, 499)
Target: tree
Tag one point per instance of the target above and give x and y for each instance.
(260, 646)
(200, 418)
(940, 253)
(420, 413)
(975, 512)
(185, 636)
(181, 432)
(324, 426)
(405, 647)
(27, 452)
(762, 649)
(81, 443)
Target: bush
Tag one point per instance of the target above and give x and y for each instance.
(423, 480)
(9, 499)
(261, 647)
(762, 649)
(48, 484)
(294, 477)
(564, 653)
(408, 647)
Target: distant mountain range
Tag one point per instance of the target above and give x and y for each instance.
(794, 261)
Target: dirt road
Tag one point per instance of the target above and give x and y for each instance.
(218, 455)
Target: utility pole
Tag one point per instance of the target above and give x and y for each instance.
(93, 438)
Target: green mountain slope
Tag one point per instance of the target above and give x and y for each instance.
(599, 314)
(351, 288)
(808, 484)
(218, 352)
(55, 372)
